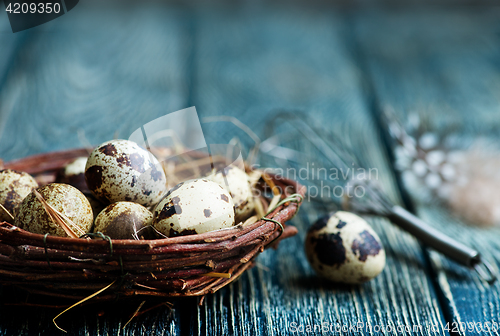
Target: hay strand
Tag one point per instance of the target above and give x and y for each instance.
(217, 275)
(6, 211)
(79, 302)
(57, 217)
(134, 314)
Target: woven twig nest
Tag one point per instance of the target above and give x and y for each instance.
(193, 265)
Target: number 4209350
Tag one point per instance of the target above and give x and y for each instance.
(41, 8)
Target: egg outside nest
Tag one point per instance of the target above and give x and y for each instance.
(342, 247)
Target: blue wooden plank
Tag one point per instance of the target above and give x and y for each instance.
(98, 72)
(253, 59)
(442, 64)
(9, 49)
(103, 70)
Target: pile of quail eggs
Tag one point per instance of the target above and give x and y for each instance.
(120, 190)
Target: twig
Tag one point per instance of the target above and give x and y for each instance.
(57, 217)
(244, 128)
(168, 304)
(134, 314)
(81, 301)
(7, 212)
(217, 275)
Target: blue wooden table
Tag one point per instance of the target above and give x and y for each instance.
(106, 68)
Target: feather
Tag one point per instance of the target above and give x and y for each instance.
(475, 195)
(466, 179)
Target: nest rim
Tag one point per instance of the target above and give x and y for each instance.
(29, 254)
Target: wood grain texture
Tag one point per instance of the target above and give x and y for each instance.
(102, 319)
(102, 70)
(250, 60)
(109, 68)
(442, 64)
(9, 45)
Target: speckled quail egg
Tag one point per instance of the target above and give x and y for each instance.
(74, 174)
(342, 247)
(14, 187)
(235, 181)
(192, 207)
(124, 220)
(64, 198)
(121, 170)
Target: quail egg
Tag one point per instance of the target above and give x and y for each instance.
(123, 220)
(74, 174)
(235, 181)
(342, 247)
(64, 198)
(14, 187)
(193, 207)
(121, 170)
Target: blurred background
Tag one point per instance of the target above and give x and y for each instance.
(359, 71)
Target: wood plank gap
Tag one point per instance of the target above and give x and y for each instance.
(375, 108)
(353, 46)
